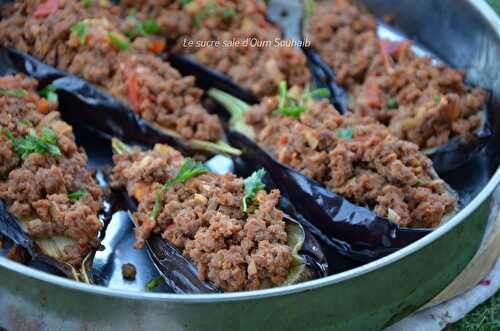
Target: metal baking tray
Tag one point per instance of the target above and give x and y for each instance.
(462, 33)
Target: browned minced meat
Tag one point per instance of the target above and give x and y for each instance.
(260, 69)
(129, 271)
(372, 168)
(203, 217)
(420, 101)
(151, 87)
(345, 37)
(37, 187)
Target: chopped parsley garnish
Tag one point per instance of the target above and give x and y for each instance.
(47, 144)
(77, 195)
(189, 169)
(392, 103)
(150, 27)
(345, 133)
(144, 29)
(120, 43)
(293, 106)
(253, 184)
(419, 182)
(211, 9)
(50, 93)
(13, 92)
(437, 99)
(231, 12)
(154, 283)
(26, 122)
(81, 29)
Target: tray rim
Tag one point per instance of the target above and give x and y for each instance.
(486, 11)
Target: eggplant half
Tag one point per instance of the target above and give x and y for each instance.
(48, 253)
(456, 152)
(89, 106)
(181, 275)
(45, 252)
(352, 230)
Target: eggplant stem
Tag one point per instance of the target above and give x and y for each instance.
(215, 148)
(236, 108)
(308, 7)
(208, 146)
(119, 147)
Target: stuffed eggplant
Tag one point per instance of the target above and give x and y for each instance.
(420, 101)
(232, 38)
(337, 157)
(152, 99)
(50, 204)
(209, 232)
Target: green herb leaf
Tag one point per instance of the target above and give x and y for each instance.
(50, 93)
(150, 27)
(392, 103)
(13, 92)
(81, 29)
(293, 106)
(188, 170)
(87, 3)
(437, 99)
(77, 195)
(132, 13)
(26, 122)
(419, 182)
(321, 92)
(231, 12)
(186, 2)
(8, 133)
(211, 9)
(120, 43)
(293, 111)
(30, 144)
(253, 184)
(345, 133)
(154, 283)
(283, 93)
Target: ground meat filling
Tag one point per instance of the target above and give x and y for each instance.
(259, 69)
(420, 101)
(40, 187)
(203, 217)
(356, 158)
(89, 41)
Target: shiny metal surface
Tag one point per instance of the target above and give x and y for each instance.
(366, 298)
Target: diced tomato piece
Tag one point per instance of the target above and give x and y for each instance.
(43, 106)
(47, 8)
(157, 46)
(133, 92)
(371, 93)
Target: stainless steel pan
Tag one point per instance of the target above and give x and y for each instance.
(465, 33)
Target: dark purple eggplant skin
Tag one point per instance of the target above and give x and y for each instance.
(85, 105)
(454, 154)
(207, 78)
(178, 272)
(459, 151)
(324, 77)
(353, 231)
(181, 275)
(11, 229)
